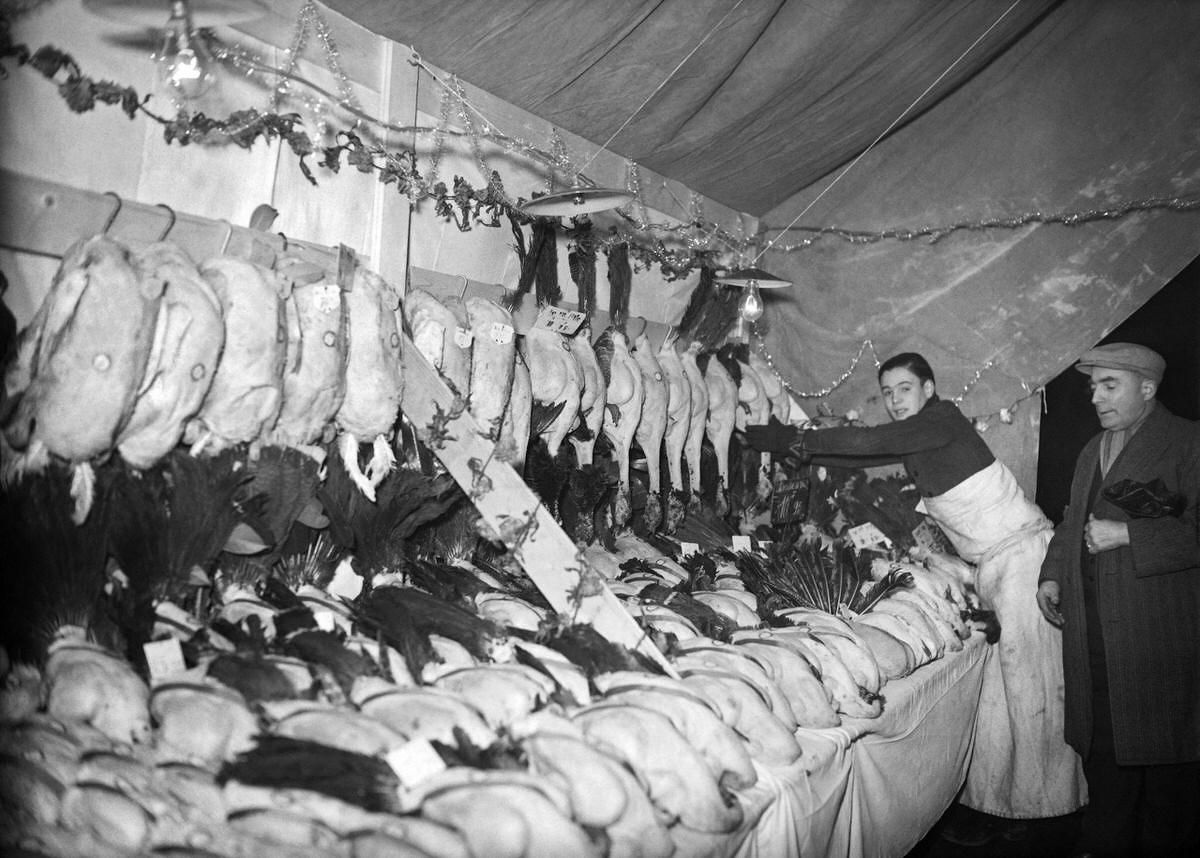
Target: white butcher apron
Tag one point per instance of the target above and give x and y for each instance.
(1021, 766)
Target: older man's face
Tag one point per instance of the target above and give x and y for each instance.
(1120, 396)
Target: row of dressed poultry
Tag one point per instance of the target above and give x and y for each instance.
(138, 351)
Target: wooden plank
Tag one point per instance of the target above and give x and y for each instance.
(45, 218)
(511, 509)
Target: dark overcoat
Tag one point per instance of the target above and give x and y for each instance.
(1149, 600)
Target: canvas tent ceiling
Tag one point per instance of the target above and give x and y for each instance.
(1032, 106)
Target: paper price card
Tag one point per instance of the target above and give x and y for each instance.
(164, 658)
(414, 761)
(559, 320)
(926, 536)
(866, 535)
(687, 548)
(463, 337)
(501, 333)
(742, 543)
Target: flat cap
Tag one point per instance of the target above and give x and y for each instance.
(1127, 356)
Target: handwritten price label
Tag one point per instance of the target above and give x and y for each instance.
(463, 337)
(688, 548)
(501, 333)
(164, 658)
(742, 543)
(414, 761)
(866, 535)
(560, 321)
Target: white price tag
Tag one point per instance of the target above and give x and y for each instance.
(926, 537)
(742, 543)
(686, 548)
(463, 337)
(346, 582)
(866, 535)
(325, 620)
(559, 320)
(414, 761)
(501, 333)
(164, 658)
(329, 298)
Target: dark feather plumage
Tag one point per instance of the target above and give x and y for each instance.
(326, 648)
(251, 675)
(282, 763)
(54, 570)
(620, 285)
(711, 311)
(377, 533)
(604, 348)
(394, 607)
(542, 414)
(582, 261)
(594, 654)
(728, 358)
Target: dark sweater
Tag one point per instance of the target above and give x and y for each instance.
(938, 447)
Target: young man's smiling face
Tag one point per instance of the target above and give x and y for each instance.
(1119, 396)
(903, 393)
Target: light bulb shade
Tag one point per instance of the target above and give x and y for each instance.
(185, 65)
(751, 305)
(752, 277)
(576, 201)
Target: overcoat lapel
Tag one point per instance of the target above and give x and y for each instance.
(1145, 449)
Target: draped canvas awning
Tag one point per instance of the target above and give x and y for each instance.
(978, 110)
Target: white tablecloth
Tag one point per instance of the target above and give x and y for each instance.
(870, 788)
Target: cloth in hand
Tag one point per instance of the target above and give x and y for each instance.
(1145, 500)
(776, 437)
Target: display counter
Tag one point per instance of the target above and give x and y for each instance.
(870, 788)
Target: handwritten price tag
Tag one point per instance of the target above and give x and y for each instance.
(463, 337)
(926, 536)
(164, 658)
(501, 333)
(686, 548)
(414, 761)
(742, 543)
(866, 535)
(559, 320)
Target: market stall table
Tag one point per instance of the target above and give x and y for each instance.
(870, 788)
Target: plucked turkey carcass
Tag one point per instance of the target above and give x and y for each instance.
(243, 402)
(493, 352)
(314, 377)
(755, 407)
(722, 416)
(679, 422)
(188, 338)
(518, 413)
(594, 398)
(89, 685)
(651, 426)
(434, 327)
(374, 378)
(699, 417)
(555, 377)
(80, 363)
(772, 385)
(625, 393)
(677, 778)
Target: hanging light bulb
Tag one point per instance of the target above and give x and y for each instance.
(185, 65)
(751, 305)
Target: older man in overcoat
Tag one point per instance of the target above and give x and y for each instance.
(1122, 579)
